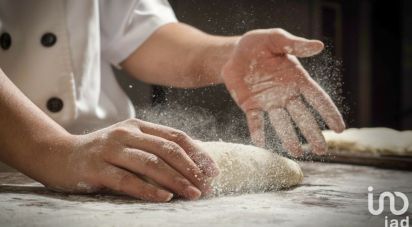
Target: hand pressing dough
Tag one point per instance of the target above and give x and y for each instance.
(246, 168)
(373, 140)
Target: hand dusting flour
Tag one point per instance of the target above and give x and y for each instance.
(246, 168)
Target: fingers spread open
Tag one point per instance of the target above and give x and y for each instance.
(283, 126)
(256, 124)
(199, 156)
(321, 101)
(125, 182)
(155, 168)
(307, 125)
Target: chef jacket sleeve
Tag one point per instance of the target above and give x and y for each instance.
(126, 24)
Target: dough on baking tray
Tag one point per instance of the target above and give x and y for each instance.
(384, 141)
(246, 168)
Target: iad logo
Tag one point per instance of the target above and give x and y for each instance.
(391, 197)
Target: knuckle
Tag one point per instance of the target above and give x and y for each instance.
(151, 161)
(279, 31)
(179, 136)
(119, 132)
(133, 121)
(171, 148)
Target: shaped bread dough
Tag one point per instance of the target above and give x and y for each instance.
(246, 168)
(384, 141)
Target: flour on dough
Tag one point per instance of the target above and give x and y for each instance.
(373, 140)
(246, 168)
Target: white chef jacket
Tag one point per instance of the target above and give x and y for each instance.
(60, 53)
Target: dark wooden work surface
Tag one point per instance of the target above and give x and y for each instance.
(331, 195)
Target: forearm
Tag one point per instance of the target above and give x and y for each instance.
(25, 131)
(181, 56)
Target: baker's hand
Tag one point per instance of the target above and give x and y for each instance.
(264, 75)
(134, 157)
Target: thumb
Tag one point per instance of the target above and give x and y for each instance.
(287, 43)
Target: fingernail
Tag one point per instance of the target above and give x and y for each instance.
(166, 196)
(192, 192)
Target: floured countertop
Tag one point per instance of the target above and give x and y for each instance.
(331, 195)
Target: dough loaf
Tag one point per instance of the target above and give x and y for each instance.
(246, 168)
(383, 141)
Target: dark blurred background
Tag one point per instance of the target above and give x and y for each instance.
(367, 67)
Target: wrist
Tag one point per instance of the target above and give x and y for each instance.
(209, 60)
(224, 53)
(37, 154)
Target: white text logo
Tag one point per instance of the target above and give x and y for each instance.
(391, 198)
